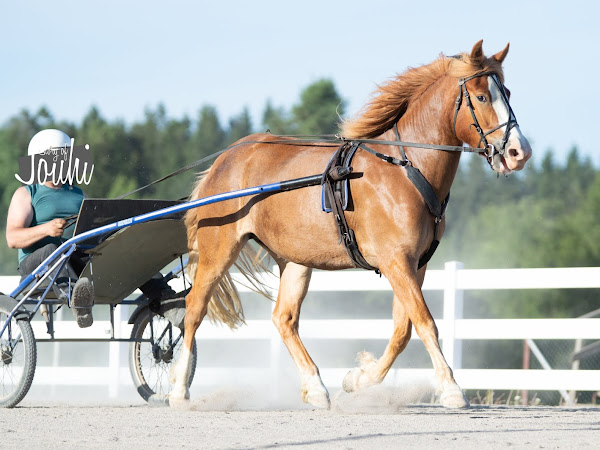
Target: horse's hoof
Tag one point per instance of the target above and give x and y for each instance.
(315, 393)
(179, 397)
(356, 379)
(454, 397)
(318, 399)
(179, 403)
(350, 383)
(158, 400)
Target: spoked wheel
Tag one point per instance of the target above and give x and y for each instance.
(150, 361)
(18, 357)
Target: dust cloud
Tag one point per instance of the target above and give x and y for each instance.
(381, 399)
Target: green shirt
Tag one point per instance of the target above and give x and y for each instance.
(49, 204)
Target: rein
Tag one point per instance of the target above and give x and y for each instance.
(328, 140)
(334, 140)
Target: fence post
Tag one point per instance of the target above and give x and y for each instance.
(453, 309)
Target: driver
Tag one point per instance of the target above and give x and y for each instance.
(36, 225)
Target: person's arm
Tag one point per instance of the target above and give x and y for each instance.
(20, 215)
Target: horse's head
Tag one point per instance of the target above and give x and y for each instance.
(483, 116)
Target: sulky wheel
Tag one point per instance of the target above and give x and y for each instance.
(150, 360)
(18, 357)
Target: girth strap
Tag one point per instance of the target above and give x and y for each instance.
(335, 172)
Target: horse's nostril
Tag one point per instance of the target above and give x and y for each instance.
(513, 152)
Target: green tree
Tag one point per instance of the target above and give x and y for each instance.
(239, 127)
(177, 151)
(148, 138)
(276, 120)
(209, 136)
(116, 153)
(319, 110)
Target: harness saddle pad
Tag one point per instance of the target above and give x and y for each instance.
(342, 186)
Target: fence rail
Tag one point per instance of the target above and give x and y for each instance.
(453, 329)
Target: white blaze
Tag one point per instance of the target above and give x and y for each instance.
(503, 114)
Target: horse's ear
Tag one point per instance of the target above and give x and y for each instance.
(477, 52)
(501, 54)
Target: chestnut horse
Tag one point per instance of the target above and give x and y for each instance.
(393, 225)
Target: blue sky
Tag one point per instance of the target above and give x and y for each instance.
(126, 56)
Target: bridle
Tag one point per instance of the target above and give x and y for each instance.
(490, 150)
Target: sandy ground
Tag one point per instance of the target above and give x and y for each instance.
(236, 419)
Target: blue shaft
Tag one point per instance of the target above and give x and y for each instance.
(160, 213)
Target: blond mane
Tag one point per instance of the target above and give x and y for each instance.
(389, 102)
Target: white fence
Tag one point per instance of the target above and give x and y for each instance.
(453, 281)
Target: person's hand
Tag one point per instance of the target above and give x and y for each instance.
(55, 227)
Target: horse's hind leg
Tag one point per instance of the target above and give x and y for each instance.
(196, 307)
(215, 258)
(372, 371)
(292, 290)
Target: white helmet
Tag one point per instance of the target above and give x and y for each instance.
(47, 139)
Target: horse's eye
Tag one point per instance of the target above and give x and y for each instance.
(481, 98)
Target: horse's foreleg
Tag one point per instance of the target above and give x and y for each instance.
(372, 371)
(407, 288)
(292, 290)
